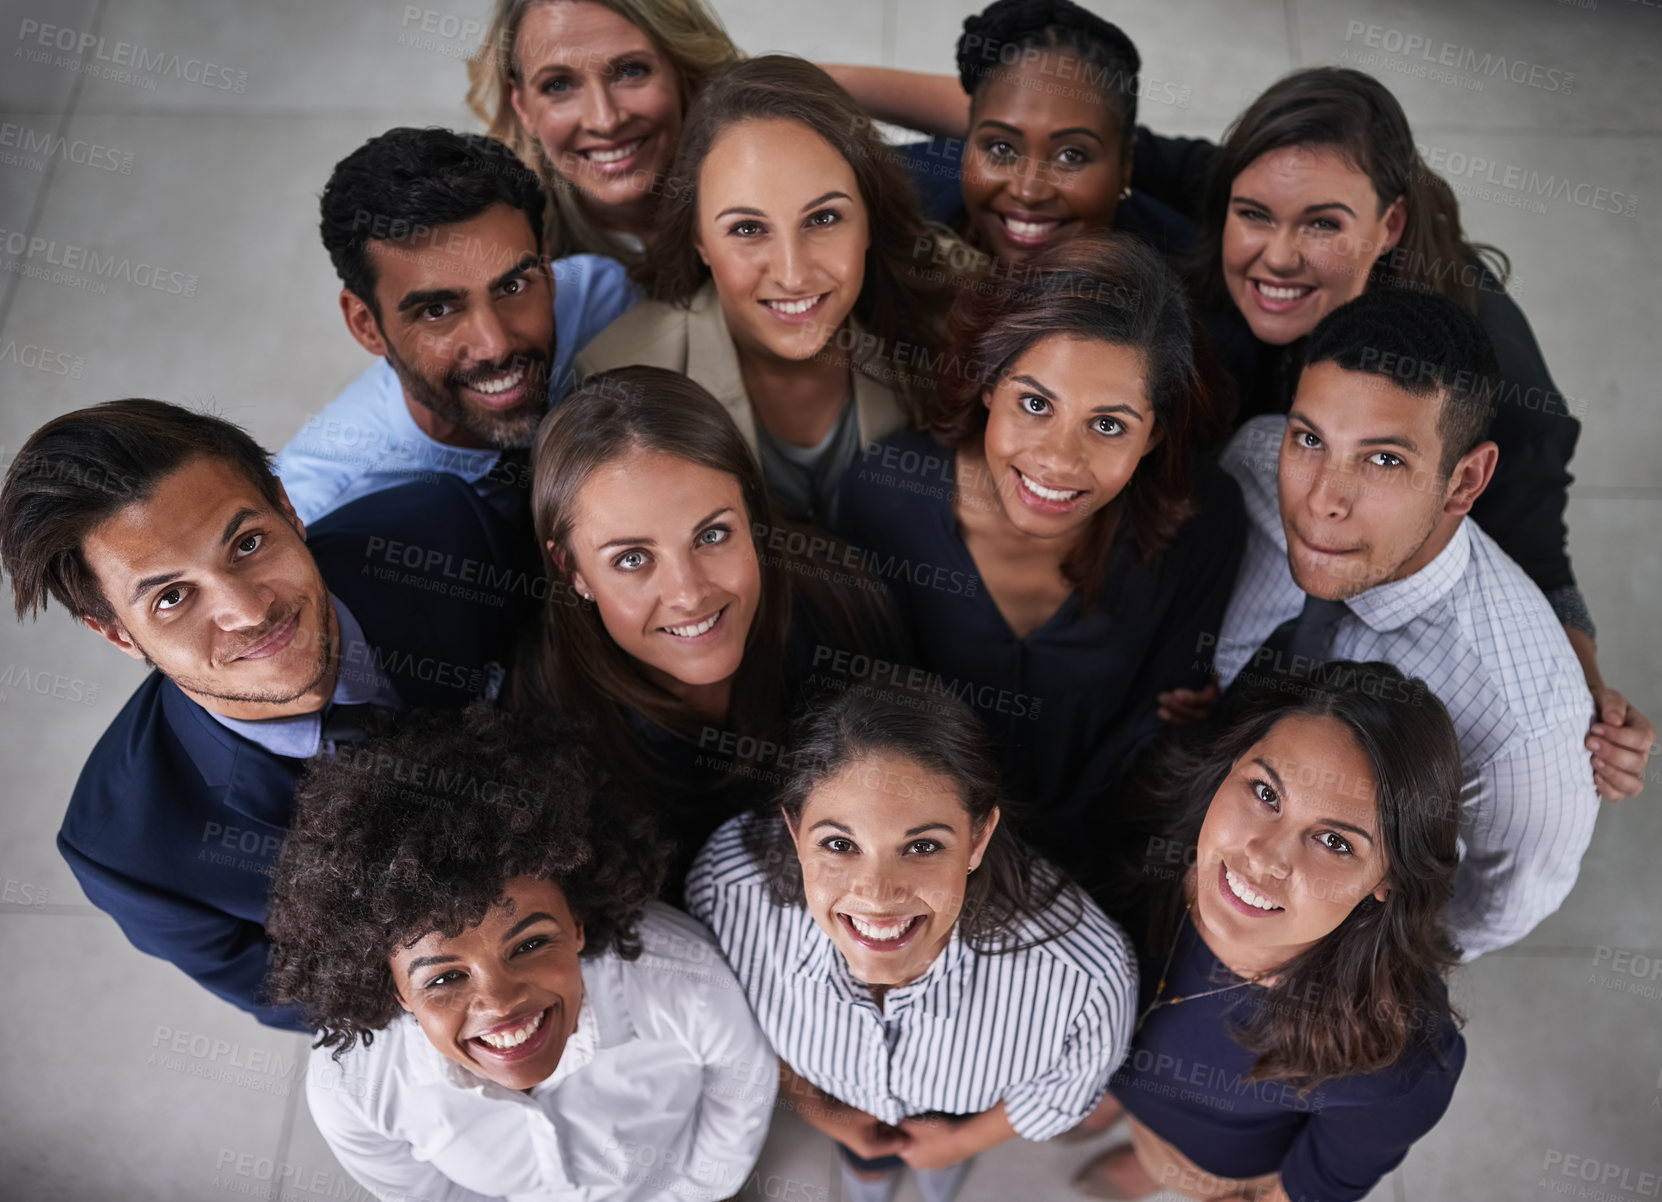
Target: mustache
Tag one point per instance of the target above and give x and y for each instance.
(535, 363)
(264, 632)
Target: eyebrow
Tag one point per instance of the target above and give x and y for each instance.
(1054, 134)
(1387, 440)
(916, 830)
(1308, 209)
(427, 961)
(529, 920)
(161, 578)
(1282, 789)
(747, 211)
(421, 298)
(644, 541)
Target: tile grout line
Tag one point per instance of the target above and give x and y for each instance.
(1290, 15)
(285, 1136)
(14, 280)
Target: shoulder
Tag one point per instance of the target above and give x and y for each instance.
(1076, 937)
(361, 1090)
(1251, 459)
(726, 864)
(590, 293)
(901, 473)
(653, 333)
(117, 781)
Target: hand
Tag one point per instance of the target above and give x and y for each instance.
(870, 1137)
(1185, 707)
(934, 1143)
(1621, 739)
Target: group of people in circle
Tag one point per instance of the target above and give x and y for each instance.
(987, 637)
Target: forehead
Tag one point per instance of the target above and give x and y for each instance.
(181, 522)
(772, 163)
(522, 896)
(1321, 766)
(648, 493)
(1304, 175)
(1055, 91)
(1354, 405)
(1086, 370)
(578, 34)
(885, 791)
(461, 256)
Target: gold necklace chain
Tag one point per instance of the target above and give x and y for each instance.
(1161, 987)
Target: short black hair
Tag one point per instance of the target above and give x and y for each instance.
(407, 182)
(81, 468)
(1425, 344)
(1002, 33)
(420, 828)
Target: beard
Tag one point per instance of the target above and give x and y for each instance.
(197, 687)
(503, 429)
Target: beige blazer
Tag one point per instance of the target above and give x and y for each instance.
(695, 342)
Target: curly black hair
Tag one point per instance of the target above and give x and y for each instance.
(402, 185)
(420, 828)
(1002, 33)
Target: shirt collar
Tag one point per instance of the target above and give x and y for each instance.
(1391, 606)
(361, 681)
(937, 991)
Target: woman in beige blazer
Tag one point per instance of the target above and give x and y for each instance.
(792, 277)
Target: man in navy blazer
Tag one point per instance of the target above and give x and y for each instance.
(166, 532)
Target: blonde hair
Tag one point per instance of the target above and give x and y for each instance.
(685, 32)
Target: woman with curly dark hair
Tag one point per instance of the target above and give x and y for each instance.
(932, 988)
(465, 926)
(1065, 484)
(1295, 1035)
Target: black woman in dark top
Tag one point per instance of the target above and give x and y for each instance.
(1058, 546)
(1294, 1035)
(679, 631)
(1316, 193)
(1052, 92)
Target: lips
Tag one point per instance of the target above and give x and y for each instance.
(881, 934)
(694, 631)
(518, 1038)
(1029, 229)
(503, 389)
(1045, 497)
(612, 158)
(276, 641)
(798, 309)
(1246, 899)
(1275, 297)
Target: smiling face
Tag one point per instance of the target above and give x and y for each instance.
(1303, 230)
(502, 998)
(663, 546)
(886, 849)
(1289, 846)
(467, 322)
(782, 227)
(1042, 162)
(217, 589)
(1067, 425)
(605, 104)
(1362, 499)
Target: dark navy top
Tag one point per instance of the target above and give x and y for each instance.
(933, 168)
(1186, 1081)
(1071, 705)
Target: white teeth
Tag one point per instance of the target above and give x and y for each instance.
(1046, 494)
(792, 308)
(1028, 229)
(501, 383)
(513, 1039)
(882, 932)
(692, 632)
(613, 156)
(1240, 889)
(1282, 292)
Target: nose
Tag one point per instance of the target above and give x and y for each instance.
(682, 583)
(1331, 493)
(1282, 254)
(1266, 856)
(1029, 181)
(874, 881)
(484, 338)
(600, 113)
(241, 604)
(791, 263)
(1061, 450)
(498, 995)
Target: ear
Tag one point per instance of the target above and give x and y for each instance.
(399, 995)
(361, 322)
(289, 515)
(987, 398)
(116, 635)
(580, 937)
(1381, 893)
(516, 99)
(1396, 220)
(698, 245)
(1154, 440)
(790, 828)
(1471, 475)
(985, 834)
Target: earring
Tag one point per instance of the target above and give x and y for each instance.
(1125, 192)
(973, 867)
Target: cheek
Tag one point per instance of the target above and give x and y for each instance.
(1238, 247)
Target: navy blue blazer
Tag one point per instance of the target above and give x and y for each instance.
(176, 821)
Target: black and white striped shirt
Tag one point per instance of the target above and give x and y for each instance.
(1040, 1029)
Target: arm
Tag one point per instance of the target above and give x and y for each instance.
(941, 1143)
(863, 1134)
(1183, 693)
(224, 954)
(1526, 819)
(1621, 737)
(933, 104)
(1173, 170)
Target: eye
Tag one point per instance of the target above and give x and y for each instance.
(823, 218)
(630, 561)
(747, 229)
(1264, 793)
(1384, 459)
(531, 944)
(515, 286)
(837, 845)
(1305, 439)
(1325, 225)
(445, 978)
(1335, 842)
(435, 310)
(558, 86)
(1033, 403)
(712, 536)
(1000, 150)
(922, 847)
(170, 599)
(1248, 213)
(250, 543)
(632, 70)
(1072, 156)
(1107, 425)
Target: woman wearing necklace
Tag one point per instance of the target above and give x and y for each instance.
(1294, 1034)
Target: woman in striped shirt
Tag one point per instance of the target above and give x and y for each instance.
(932, 988)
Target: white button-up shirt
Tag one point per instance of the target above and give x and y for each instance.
(1481, 635)
(664, 1090)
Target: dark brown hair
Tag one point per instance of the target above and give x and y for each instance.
(1353, 113)
(1011, 894)
(901, 300)
(1112, 288)
(1375, 980)
(82, 468)
(420, 829)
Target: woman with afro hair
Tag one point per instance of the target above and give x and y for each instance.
(503, 1010)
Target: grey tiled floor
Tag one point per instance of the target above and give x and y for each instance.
(221, 185)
